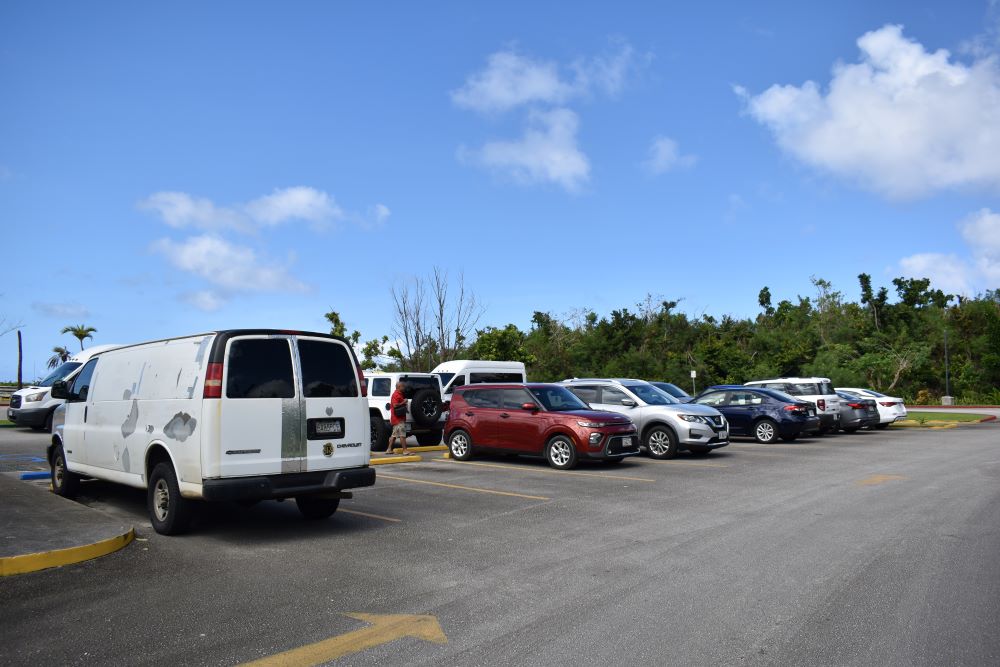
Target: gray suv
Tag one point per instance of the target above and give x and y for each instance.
(665, 425)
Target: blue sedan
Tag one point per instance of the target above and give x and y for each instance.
(764, 414)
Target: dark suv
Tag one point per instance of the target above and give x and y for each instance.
(535, 419)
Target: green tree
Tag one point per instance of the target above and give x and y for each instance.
(505, 344)
(60, 356)
(79, 332)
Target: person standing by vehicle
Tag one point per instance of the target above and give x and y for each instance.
(397, 418)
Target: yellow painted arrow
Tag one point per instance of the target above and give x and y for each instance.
(384, 628)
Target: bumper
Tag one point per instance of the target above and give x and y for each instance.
(789, 429)
(614, 447)
(265, 487)
(829, 420)
(712, 443)
(23, 417)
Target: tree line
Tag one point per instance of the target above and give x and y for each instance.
(894, 345)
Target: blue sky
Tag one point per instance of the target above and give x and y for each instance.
(171, 169)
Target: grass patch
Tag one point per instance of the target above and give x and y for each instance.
(922, 416)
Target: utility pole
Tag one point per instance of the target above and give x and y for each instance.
(946, 399)
(19, 357)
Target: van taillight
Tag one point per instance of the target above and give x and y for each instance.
(213, 381)
(362, 382)
(821, 404)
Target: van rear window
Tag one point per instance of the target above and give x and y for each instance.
(490, 378)
(260, 368)
(327, 370)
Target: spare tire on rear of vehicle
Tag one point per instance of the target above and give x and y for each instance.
(425, 406)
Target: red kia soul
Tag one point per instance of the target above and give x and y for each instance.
(535, 419)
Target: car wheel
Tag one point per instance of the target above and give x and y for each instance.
(312, 507)
(699, 451)
(64, 482)
(169, 513)
(765, 431)
(790, 438)
(429, 439)
(460, 445)
(561, 453)
(661, 443)
(425, 406)
(380, 433)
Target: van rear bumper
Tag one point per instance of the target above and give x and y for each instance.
(265, 487)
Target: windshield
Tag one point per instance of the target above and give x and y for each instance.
(557, 399)
(875, 393)
(59, 373)
(651, 394)
(445, 378)
(780, 395)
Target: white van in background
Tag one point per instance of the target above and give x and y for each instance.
(33, 406)
(248, 414)
(469, 371)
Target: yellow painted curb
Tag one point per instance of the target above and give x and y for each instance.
(42, 561)
(428, 448)
(395, 459)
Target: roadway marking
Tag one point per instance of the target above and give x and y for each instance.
(464, 488)
(879, 479)
(371, 516)
(690, 464)
(544, 470)
(384, 628)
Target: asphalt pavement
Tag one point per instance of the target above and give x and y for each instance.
(872, 548)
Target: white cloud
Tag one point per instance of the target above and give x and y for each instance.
(61, 310)
(296, 203)
(228, 266)
(665, 154)
(205, 300)
(946, 272)
(179, 209)
(903, 121)
(546, 153)
(511, 80)
(379, 213)
(957, 275)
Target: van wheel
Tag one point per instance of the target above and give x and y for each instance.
(64, 482)
(429, 439)
(425, 406)
(560, 453)
(169, 513)
(460, 445)
(313, 507)
(380, 433)
(661, 443)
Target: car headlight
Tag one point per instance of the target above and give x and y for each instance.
(693, 418)
(592, 424)
(32, 398)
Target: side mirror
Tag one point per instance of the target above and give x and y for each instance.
(528, 406)
(60, 390)
(628, 403)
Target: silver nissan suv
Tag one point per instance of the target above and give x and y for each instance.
(665, 425)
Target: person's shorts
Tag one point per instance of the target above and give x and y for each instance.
(399, 430)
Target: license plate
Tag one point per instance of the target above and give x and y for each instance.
(627, 441)
(812, 413)
(329, 427)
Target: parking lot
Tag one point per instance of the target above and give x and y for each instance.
(876, 547)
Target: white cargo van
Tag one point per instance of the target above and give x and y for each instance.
(470, 371)
(247, 415)
(33, 406)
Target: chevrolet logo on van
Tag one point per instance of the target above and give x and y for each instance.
(328, 449)
(348, 444)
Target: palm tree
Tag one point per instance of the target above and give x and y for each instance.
(61, 356)
(80, 331)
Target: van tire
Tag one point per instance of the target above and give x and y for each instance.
(380, 433)
(313, 507)
(64, 482)
(169, 512)
(425, 406)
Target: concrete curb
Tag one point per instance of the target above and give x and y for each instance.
(47, 559)
(389, 460)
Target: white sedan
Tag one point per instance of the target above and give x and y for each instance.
(890, 408)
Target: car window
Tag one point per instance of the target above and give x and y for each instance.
(458, 381)
(652, 395)
(416, 383)
(780, 395)
(260, 368)
(585, 394)
(558, 399)
(715, 398)
(381, 386)
(327, 370)
(513, 399)
(81, 385)
(745, 398)
(483, 398)
(612, 396)
(802, 388)
(826, 388)
(484, 378)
